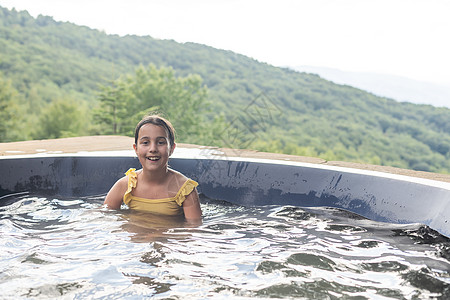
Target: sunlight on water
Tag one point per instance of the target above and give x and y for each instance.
(73, 248)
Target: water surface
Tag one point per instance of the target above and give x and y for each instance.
(75, 249)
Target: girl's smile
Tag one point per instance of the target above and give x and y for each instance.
(153, 158)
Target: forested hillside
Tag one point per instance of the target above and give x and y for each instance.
(58, 79)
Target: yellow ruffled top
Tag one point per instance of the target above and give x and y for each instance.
(166, 206)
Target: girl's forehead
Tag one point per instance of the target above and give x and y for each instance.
(151, 130)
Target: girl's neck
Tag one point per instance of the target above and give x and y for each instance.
(155, 176)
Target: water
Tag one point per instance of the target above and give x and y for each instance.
(74, 249)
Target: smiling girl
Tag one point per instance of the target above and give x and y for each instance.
(156, 188)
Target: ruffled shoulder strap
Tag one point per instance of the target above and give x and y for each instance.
(185, 190)
(132, 181)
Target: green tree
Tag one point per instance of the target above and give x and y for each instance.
(113, 114)
(61, 118)
(183, 100)
(9, 112)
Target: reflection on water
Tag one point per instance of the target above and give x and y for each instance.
(73, 248)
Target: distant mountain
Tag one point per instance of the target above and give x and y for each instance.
(52, 65)
(396, 87)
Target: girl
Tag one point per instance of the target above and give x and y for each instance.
(156, 188)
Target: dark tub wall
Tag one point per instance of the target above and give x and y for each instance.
(65, 176)
(378, 198)
(244, 183)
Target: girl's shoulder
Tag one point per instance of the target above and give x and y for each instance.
(122, 182)
(178, 179)
(130, 177)
(180, 186)
(177, 176)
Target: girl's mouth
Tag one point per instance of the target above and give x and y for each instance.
(153, 158)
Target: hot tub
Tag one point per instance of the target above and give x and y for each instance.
(244, 181)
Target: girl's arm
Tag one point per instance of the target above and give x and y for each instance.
(191, 208)
(114, 197)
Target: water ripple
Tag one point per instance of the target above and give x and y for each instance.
(73, 248)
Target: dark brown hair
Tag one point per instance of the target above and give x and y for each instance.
(159, 121)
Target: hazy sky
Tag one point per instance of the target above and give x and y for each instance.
(410, 38)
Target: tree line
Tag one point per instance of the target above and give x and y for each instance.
(58, 79)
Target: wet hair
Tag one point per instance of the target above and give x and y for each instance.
(158, 121)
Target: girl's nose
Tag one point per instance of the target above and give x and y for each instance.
(152, 147)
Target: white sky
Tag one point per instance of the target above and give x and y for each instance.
(410, 38)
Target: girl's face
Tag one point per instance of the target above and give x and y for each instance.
(153, 147)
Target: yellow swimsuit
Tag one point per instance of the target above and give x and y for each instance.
(166, 206)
